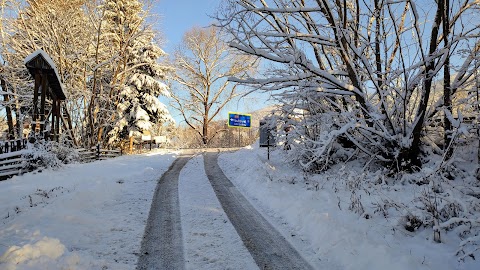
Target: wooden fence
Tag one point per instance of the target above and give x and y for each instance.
(11, 164)
(96, 153)
(12, 145)
(11, 161)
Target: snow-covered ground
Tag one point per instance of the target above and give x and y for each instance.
(92, 216)
(317, 214)
(82, 216)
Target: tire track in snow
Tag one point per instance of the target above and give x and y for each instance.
(210, 240)
(162, 244)
(268, 247)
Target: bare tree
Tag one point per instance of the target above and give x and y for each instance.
(363, 71)
(5, 8)
(203, 64)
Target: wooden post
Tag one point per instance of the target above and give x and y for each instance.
(268, 143)
(98, 151)
(38, 79)
(57, 125)
(53, 134)
(42, 103)
(131, 144)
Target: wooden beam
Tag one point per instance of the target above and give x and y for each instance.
(38, 80)
(57, 125)
(53, 129)
(42, 102)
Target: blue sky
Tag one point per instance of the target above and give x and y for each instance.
(179, 16)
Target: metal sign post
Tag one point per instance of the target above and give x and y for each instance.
(266, 138)
(268, 145)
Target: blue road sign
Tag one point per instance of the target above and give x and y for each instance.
(239, 120)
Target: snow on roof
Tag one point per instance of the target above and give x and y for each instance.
(49, 61)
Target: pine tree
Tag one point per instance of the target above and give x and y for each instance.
(135, 75)
(139, 108)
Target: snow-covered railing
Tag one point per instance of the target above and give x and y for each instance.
(11, 164)
(12, 145)
(96, 153)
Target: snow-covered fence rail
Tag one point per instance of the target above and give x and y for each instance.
(148, 143)
(145, 144)
(12, 145)
(96, 153)
(11, 164)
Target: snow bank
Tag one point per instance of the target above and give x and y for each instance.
(46, 250)
(82, 216)
(317, 215)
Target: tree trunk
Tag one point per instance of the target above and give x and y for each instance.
(411, 155)
(205, 133)
(92, 109)
(130, 144)
(18, 116)
(378, 64)
(6, 98)
(206, 110)
(447, 91)
(42, 104)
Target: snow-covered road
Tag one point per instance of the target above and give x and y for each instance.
(162, 246)
(210, 240)
(267, 246)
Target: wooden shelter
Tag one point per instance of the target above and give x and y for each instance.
(47, 95)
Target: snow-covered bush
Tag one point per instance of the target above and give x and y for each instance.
(48, 154)
(442, 199)
(310, 131)
(412, 222)
(65, 153)
(440, 202)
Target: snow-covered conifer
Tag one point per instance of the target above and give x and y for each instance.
(139, 108)
(136, 74)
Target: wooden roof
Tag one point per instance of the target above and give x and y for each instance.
(39, 61)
